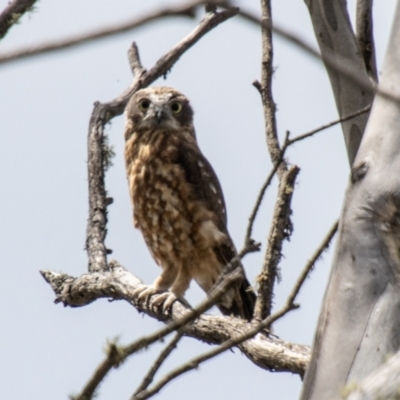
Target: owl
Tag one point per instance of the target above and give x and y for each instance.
(177, 201)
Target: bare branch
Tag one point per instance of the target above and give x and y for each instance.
(103, 113)
(326, 126)
(365, 36)
(12, 14)
(119, 284)
(311, 262)
(263, 189)
(195, 362)
(158, 362)
(338, 63)
(186, 10)
(265, 88)
(134, 61)
(281, 229)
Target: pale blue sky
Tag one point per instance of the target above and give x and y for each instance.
(48, 351)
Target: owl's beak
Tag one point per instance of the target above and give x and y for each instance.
(160, 114)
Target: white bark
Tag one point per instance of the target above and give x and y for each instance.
(359, 325)
(336, 39)
(382, 384)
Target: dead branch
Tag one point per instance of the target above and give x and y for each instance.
(265, 89)
(158, 362)
(184, 10)
(281, 229)
(103, 113)
(365, 36)
(312, 261)
(119, 284)
(12, 14)
(257, 205)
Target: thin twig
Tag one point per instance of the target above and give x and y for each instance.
(265, 88)
(311, 262)
(365, 36)
(264, 187)
(321, 128)
(186, 10)
(195, 362)
(158, 362)
(288, 142)
(13, 13)
(333, 60)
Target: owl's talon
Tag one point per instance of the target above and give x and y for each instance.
(166, 299)
(143, 293)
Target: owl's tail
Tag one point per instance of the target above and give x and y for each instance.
(239, 301)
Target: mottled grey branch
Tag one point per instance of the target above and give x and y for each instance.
(12, 14)
(281, 229)
(267, 352)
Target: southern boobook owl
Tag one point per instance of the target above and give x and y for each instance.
(177, 200)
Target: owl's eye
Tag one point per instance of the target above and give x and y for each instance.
(176, 107)
(144, 104)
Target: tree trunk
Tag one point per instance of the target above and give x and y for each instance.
(359, 325)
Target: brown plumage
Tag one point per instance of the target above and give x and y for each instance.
(177, 200)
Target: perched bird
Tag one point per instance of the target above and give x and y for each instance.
(177, 201)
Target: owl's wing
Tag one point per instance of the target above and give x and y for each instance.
(207, 189)
(200, 174)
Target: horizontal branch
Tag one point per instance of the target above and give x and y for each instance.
(184, 10)
(267, 352)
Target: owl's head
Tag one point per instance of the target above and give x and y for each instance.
(159, 108)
